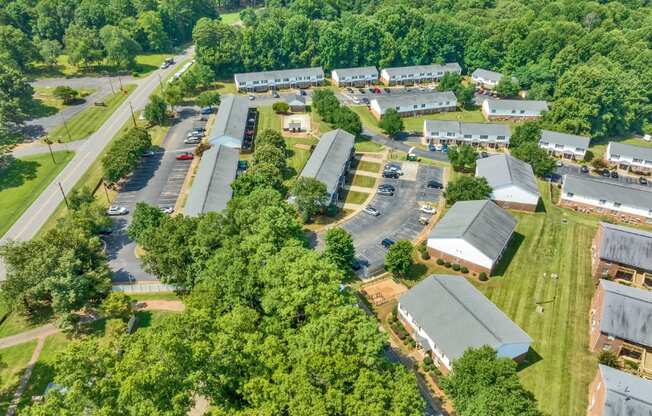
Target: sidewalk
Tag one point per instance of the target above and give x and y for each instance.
(36, 333)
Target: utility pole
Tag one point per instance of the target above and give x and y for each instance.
(160, 82)
(132, 114)
(64, 196)
(120, 79)
(47, 141)
(106, 192)
(66, 126)
(111, 84)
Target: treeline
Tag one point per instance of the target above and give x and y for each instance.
(267, 328)
(590, 59)
(124, 154)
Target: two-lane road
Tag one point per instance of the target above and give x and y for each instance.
(28, 225)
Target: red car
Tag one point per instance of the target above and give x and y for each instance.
(185, 156)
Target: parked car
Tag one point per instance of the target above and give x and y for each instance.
(356, 265)
(387, 242)
(167, 210)
(387, 186)
(584, 169)
(361, 91)
(427, 209)
(206, 110)
(117, 210)
(484, 154)
(148, 153)
(251, 97)
(275, 94)
(434, 185)
(203, 118)
(243, 165)
(195, 134)
(387, 90)
(355, 100)
(614, 174)
(559, 164)
(423, 220)
(371, 211)
(385, 191)
(642, 180)
(349, 90)
(394, 168)
(301, 92)
(185, 156)
(365, 100)
(192, 140)
(390, 174)
(606, 173)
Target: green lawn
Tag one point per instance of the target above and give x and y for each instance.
(599, 147)
(368, 120)
(148, 62)
(225, 87)
(88, 121)
(230, 18)
(416, 123)
(268, 119)
(363, 144)
(145, 64)
(139, 297)
(298, 156)
(46, 104)
(14, 360)
(23, 182)
(361, 180)
(353, 197)
(367, 166)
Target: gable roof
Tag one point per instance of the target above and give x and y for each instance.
(623, 149)
(443, 305)
(361, 70)
(502, 169)
(627, 313)
(414, 98)
(509, 105)
(327, 161)
(487, 75)
(570, 140)
(630, 195)
(230, 122)
(626, 394)
(296, 100)
(626, 245)
(483, 224)
(279, 74)
(462, 128)
(211, 188)
(415, 70)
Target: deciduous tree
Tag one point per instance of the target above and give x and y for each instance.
(391, 122)
(467, 188)
(398, 259)
(339, 248)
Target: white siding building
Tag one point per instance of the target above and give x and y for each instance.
(564, 145)
(458, 133)
(487, 79)
(288, 78)
(418, 73)
(413, 104)
(513, 109)
(512, 180)
(627, 157)
(355, 76)
(446, 315)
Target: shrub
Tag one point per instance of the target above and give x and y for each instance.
(280, 107)
(463, 269)
(631, 365)
(427, 361)
(608, 358)
(440, 262)
(425, 255)
(456, 267)
(483, 277)
(447, 265)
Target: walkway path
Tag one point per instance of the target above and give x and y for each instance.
(24, 378)
(37, 148)
(32, 334)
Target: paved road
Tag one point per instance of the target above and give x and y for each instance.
(573, 169)
(156, 181)
(399, 144)
(38, 148)
(38, 213)
(32, 334)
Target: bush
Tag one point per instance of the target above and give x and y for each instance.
(427, 360)
(280, 107)
(456, 267)
(447, 265)
(124, 154)
(483, 277)
(463, 269)
(440, 262)
(425, 255)
(608, 358)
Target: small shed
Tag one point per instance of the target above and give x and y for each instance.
(297, 103)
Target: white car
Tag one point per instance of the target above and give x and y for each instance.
(192, 140)
(117, 210)
(195, 133)
(167, 210)
(428, 209)
(371, 211)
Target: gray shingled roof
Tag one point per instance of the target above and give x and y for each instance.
(626, 194)
(483, 224)
(638, 152)
(296, 100)
(211, 188)
(570, 140)
(462, 128)
(418, 69)
(280, 74)
(327, 161)
(487, 74)
(509, 105)
(627, 313)
(362, 70)
(626, 394)
(230, 122)
(415, 98)
(501, 170)
(626, 245)
(457, 316)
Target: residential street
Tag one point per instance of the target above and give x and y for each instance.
(404, 147)
(38, 213)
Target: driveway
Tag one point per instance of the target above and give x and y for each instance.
(265, 99)
(401, 145)
(156, 181)
(399, 218)
(573, 169)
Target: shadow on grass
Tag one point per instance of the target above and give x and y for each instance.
(17, 173)
(417, 271)
(38, 109)
(532, 357)
(508, 255)
(541, 207)
(42, 375)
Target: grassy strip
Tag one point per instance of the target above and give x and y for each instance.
(362, 144)
(368, 120)
(268, 119)
(354, 197)
(14, 360)
(230, 18)
(363, 181)
(91, 119)
(367, 166)
(24, 180)
(46, 104)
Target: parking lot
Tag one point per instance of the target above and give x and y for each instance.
(573, 169)
(398, 219)
(172, 187)
(358, 95)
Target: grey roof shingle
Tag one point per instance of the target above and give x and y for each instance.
(415, 98)
(629, 150)
(279, 74)
(360, 71)
(626, 194)
(230, 122)
(626, 394)
(626, 245)
(211, 188)
(503, 169)
(509, 105)
(487, 74)
(327, 161)
(296, 100)
(419, 69)
(570, 140)
(483, 224)
(462, 128)
(627, 313)
(458, 317)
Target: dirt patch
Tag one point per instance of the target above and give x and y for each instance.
(160, 305)
(384, 290)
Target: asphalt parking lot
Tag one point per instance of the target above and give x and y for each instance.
(399, 218)
(172, 187)
(572, 169)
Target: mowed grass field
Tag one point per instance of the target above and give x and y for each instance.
(268, 119)
(88, 121)
(14, 360)
(557, 241)
(23, 182)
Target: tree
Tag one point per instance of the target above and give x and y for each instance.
(155, 111)
(348, 120)
(607, 357)
(467, 188)
(15, 48)
(481, 383)
(466, 96)
(173, 95)
(281, 107)
(261, 175)
(117, 305)
(83, 46)
(208, 99)
(78, 198)
(151, 24)
(339, 248)
(542, 163)
(391, 122)
(398, 259)
(271, 137)
(269, 154)
(462, 158)
(310, 196)
(507, 87)
(121, 49)
(528, 132)
(450, 81)
(124, 154)
(146, 218)
(50, 51)
(65, 93)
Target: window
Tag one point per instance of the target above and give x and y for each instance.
(569, 194)
(415, 106)
(513, 111)
(450, 134)
(603, 201)
(423, 106)
(397, 108)
(493, 111)
(636, 160)
(617, 204)
(559, 146)
(483, 137)
(616, 157)
(500, 137)
(580, 149)
(542, 143)
(467, 136)
(648, 162)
